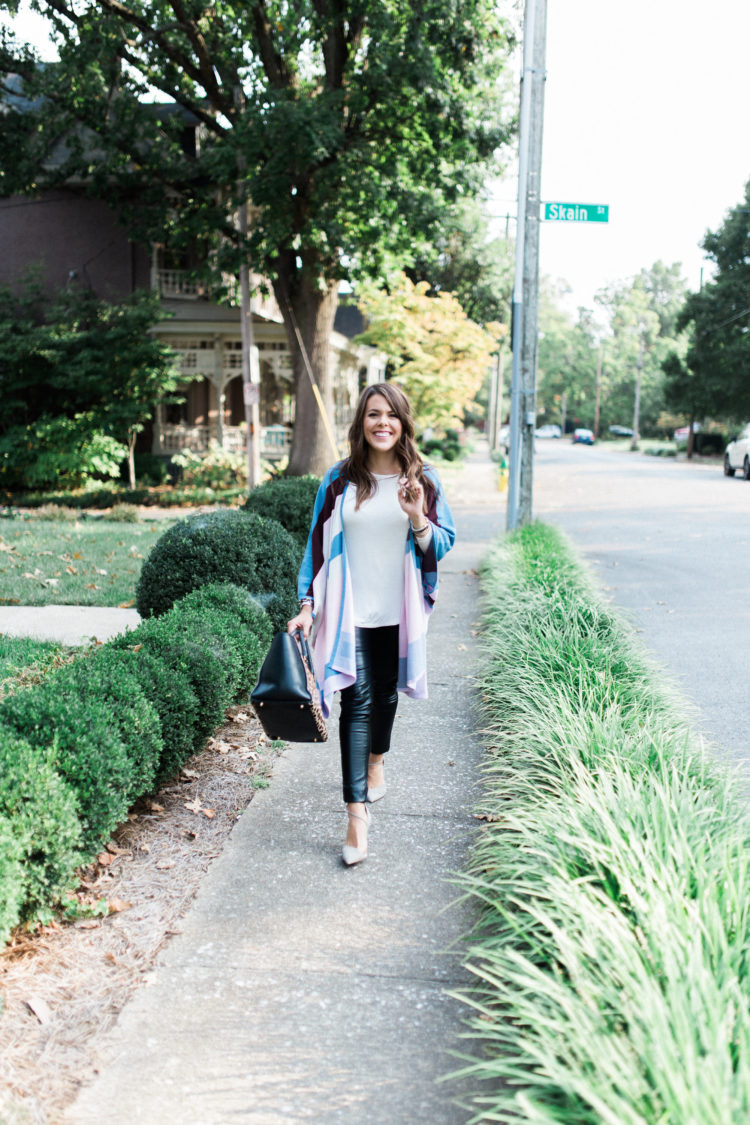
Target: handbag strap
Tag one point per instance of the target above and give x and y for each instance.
(304, 648)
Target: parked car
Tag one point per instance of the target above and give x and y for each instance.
(620, 431)
(583, 437)
(737, 455)
(548, 430)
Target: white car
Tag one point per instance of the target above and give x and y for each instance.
(737, 455)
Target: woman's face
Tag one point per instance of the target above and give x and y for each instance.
(382, 427)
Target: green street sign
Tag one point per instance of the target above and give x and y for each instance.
(576, 212)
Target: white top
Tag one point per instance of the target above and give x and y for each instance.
(376, 552)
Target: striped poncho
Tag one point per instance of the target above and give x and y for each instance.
(324, 577)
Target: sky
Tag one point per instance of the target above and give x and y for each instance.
(647, 109)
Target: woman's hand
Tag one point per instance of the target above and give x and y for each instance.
(411, 498)
(303, 621)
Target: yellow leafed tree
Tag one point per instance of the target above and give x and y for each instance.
(435, 352)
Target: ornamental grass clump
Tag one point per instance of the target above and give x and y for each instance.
(224, 546)
(612, 878)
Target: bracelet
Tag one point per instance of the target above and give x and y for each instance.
(420, 530)
(306, 601)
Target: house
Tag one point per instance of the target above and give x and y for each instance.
(71, 239)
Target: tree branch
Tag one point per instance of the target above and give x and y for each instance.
(273, 63)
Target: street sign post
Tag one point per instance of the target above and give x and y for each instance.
(576, 212)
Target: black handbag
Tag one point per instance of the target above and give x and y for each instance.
(285, 697)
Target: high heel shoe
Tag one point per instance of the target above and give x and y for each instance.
(375, 792)
(351, 855)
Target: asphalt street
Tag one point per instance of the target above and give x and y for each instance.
(670, 543)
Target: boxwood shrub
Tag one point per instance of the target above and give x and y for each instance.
(11, 879)
(247, 623)
(205, 665)
(78, 748)
(44, 814)
(131, 714)
(91, 757)
(224, 546)
(168, 690)
(289, 501)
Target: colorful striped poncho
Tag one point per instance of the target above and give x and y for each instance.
(324, 577)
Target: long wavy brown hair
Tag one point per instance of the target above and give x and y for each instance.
(355, 467)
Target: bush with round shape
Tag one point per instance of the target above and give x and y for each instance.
(222, 546)
(250, 624)
(169, 692)
(206, 667)
(131, 714)
(11, 880)
(289, 501)
(43, 812)
(91, 755)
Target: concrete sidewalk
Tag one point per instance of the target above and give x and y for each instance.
(66, 624)
(299, 990)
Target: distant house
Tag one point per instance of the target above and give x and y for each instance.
(71, 239)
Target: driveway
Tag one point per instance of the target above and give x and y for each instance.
(671, 545)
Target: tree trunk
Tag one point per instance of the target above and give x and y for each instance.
(691, 438)
(131, 459)
(312, 311)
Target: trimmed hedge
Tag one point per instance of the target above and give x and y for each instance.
(11, 878)
(78, 748)
(289, 501)
(92, 756)
(227, 546)
(44, 814)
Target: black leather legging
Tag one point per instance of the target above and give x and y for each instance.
(368, 707)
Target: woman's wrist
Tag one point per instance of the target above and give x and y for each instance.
(420, 530)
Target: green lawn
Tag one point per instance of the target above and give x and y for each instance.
(21, 658)
(83, 562)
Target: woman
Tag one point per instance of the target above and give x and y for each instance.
(367, 585)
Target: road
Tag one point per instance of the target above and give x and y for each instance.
(670, 543)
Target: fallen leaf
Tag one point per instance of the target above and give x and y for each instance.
(98, 571)
(190, 774)
(165, 865)
(462, 648)
(240, 717)
(91, 586)
(77, 555)
(117, 905)
(196, 807)
(104, 858)
(155, 807)
(39, 1006)
(71, 569)
(127, 605)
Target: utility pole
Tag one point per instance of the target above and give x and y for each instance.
(598, 390)
(637, 403)
(526, 284)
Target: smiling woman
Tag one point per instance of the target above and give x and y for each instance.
(367, 586)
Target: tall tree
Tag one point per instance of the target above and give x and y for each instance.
(76, 375)
(438, 355)
(350, 126)
(715, 380)
(465, 260)
(566, 361)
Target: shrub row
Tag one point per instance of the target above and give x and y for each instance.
(612, 876)
(78, 748)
